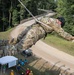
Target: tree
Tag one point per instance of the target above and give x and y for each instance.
(65, 9)
(32, 6)
(11, 11)
(21, 10)
(15, 17)
(4, 15)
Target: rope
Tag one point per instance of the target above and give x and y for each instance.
(33, 15)
(27, 10)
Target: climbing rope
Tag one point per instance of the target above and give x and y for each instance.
(33, 15)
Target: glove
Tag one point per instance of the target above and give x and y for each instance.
(72, 39)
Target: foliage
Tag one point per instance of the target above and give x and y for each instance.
(66, 9)
(47, 4)
(15, 17)
(12, 12)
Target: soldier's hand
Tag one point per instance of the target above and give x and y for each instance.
(72, 38)
(72, 41)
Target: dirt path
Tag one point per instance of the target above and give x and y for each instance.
(54, 56)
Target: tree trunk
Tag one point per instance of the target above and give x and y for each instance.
(3, 21)
(9, 18)
(10, 14)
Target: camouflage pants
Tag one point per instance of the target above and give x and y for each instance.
(31, 37)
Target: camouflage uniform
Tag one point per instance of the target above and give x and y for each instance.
(31, 34)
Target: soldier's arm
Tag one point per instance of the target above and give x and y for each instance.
(60, 31)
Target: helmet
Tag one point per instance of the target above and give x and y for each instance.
(62, 20)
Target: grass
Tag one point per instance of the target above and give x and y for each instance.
(4, 35)
(60, 43)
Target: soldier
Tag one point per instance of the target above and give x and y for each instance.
(12, 72)
(31, 73)
(26, 36)
(27, 71)
(18, 67)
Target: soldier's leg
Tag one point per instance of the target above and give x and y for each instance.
(17, 34)
(33, 35)
(20, 36)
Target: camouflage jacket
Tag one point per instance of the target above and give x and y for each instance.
(54, 26)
